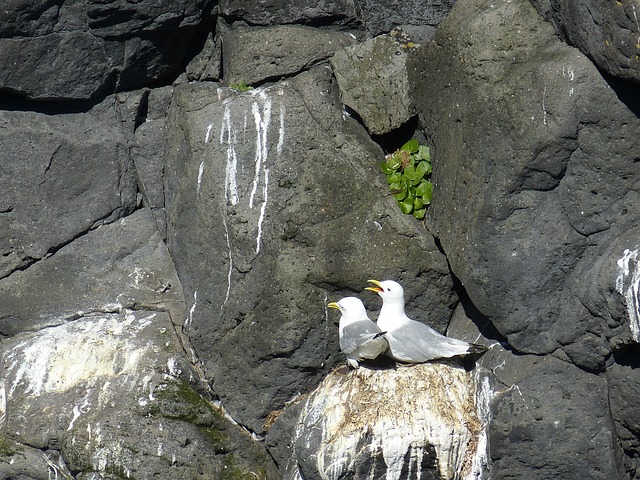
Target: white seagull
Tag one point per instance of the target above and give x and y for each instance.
(360, 337)
(411, 341)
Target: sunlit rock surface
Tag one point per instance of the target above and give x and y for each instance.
(418, 421)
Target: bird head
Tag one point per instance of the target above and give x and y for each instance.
(350, 307)
(388, 290)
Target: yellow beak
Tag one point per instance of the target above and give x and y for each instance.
(377, 287)
(333, 305)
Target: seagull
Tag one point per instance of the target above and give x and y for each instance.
(360, 337)
(411, 341)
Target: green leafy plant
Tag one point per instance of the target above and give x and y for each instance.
(408, 170)
(241, 86)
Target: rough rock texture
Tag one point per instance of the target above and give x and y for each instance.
(252, 55)
(108, 362)
(558, 157)
(382, 17)
(79, 278)
(549, 420)
(81, 50)
(607, 32)
(305, 12)
(266, 221)
(61, 175)
(168, 245)
(624, 388)
(373, 80)
(364, 434)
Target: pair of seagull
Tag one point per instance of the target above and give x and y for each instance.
(395, 334)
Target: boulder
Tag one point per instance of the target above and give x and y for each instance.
(276, 206)
(549, 419)
(534, 175)
(280, 12)
(373, 81)
(382, 17)
(107, 390)
(67, 51)
(607, 32)
(62, 175)
(253, 54)
(413, 421)
(80, 277)
(111, 394)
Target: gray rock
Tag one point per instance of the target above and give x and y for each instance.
(65, 51)
(62, 175)
(147, 151)
(606, 32)
(112, 395)
(373, 82)
(82, 277)
(253, 55)
(527, 137)
(207, 65)
(417, 421)
(624, 388)
(22, 462)
(383, 16)
(306, 12)
(275, 206)
(56, 61)
(549, 420)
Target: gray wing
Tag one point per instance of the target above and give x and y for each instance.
(358, 334)
(416, 342)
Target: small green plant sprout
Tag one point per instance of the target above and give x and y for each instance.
(408, 170)
(240, 86)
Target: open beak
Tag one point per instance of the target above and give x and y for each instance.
(377, 287)
(333, 305)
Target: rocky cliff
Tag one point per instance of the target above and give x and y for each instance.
(186, 185)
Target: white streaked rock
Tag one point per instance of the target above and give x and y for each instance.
(389, 423)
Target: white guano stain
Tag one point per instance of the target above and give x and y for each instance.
(230, 269)
(228, 137)
(484, 395)
(628, 285)
(399, 413)
(570, 75)
(189, 320)
(261, 118)
(3, 402)
(200, 174)
(59, 358)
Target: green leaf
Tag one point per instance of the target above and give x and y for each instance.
(424, 153)
(418, 203)
(424, 188)
(392, 163)
(411, 174)
(420, 214)
(422, 169)
(428, 195)
(398, 190)
(406, 206)
(395, 177)
(385, 169)
(411, 146)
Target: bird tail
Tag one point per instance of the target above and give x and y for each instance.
(379, 334)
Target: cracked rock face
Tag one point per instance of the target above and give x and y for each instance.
(96, 361)
(168, 245)
(267, 222)
(406, 422)
(61, 175)
(527, 212)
